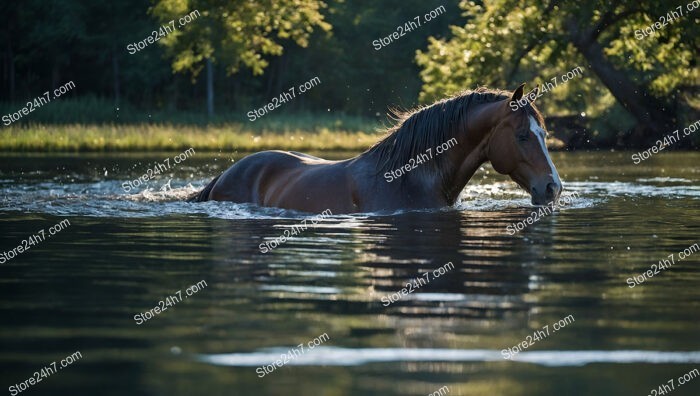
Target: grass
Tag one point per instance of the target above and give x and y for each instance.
(95, 125)
(149, 137)
(92, 124)
(164, 137)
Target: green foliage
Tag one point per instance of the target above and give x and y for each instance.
(237, 33)
(505, 42)
(498, 43)
(356, 79)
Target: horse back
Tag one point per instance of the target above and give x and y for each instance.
(287, 180)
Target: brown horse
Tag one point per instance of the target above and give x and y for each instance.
(425, 161)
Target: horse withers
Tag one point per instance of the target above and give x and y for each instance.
(433, 151)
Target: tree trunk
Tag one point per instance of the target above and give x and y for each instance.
(115, 72)
(54, 75)
(210, 88)
(173, 94)
(269, 89)
(11, 60)
(653, 117)
(280, 75)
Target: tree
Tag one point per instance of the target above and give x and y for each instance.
(61, 24)
(505, 42)
(235, 34)
(357, 77)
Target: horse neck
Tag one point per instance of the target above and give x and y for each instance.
(481, 121)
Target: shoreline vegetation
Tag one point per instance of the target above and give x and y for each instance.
(299, 132)
(168, 137)
(163, 131)
(94, 125)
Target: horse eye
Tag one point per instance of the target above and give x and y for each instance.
(524, 137)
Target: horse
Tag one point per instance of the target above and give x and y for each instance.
(423, 162)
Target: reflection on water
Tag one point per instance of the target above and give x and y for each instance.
(123, 253)
(333, 356)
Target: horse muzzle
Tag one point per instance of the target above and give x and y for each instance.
(545, 193)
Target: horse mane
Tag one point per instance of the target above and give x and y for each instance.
(426, 127)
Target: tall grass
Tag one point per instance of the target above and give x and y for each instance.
(91, 124)
(155, 137)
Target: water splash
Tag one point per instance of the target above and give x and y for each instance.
(108, 199)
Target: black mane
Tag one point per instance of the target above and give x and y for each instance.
(426, 127)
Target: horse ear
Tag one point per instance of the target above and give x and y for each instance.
(533, 94)
(518, 94)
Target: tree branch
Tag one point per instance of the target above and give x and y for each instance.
(608, 20)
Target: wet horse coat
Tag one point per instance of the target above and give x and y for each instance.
(483, 125)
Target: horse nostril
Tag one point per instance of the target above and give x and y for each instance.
(552, 190)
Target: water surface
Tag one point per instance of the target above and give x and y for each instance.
(124, 252)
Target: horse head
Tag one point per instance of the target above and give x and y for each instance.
(517, 148)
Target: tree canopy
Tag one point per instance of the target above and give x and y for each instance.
(237, 33)
(636, 80)
(505, 42)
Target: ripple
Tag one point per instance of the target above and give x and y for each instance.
(336, 356)
(301, 289)
(664, 180)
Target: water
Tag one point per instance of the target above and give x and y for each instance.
(122, 253)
